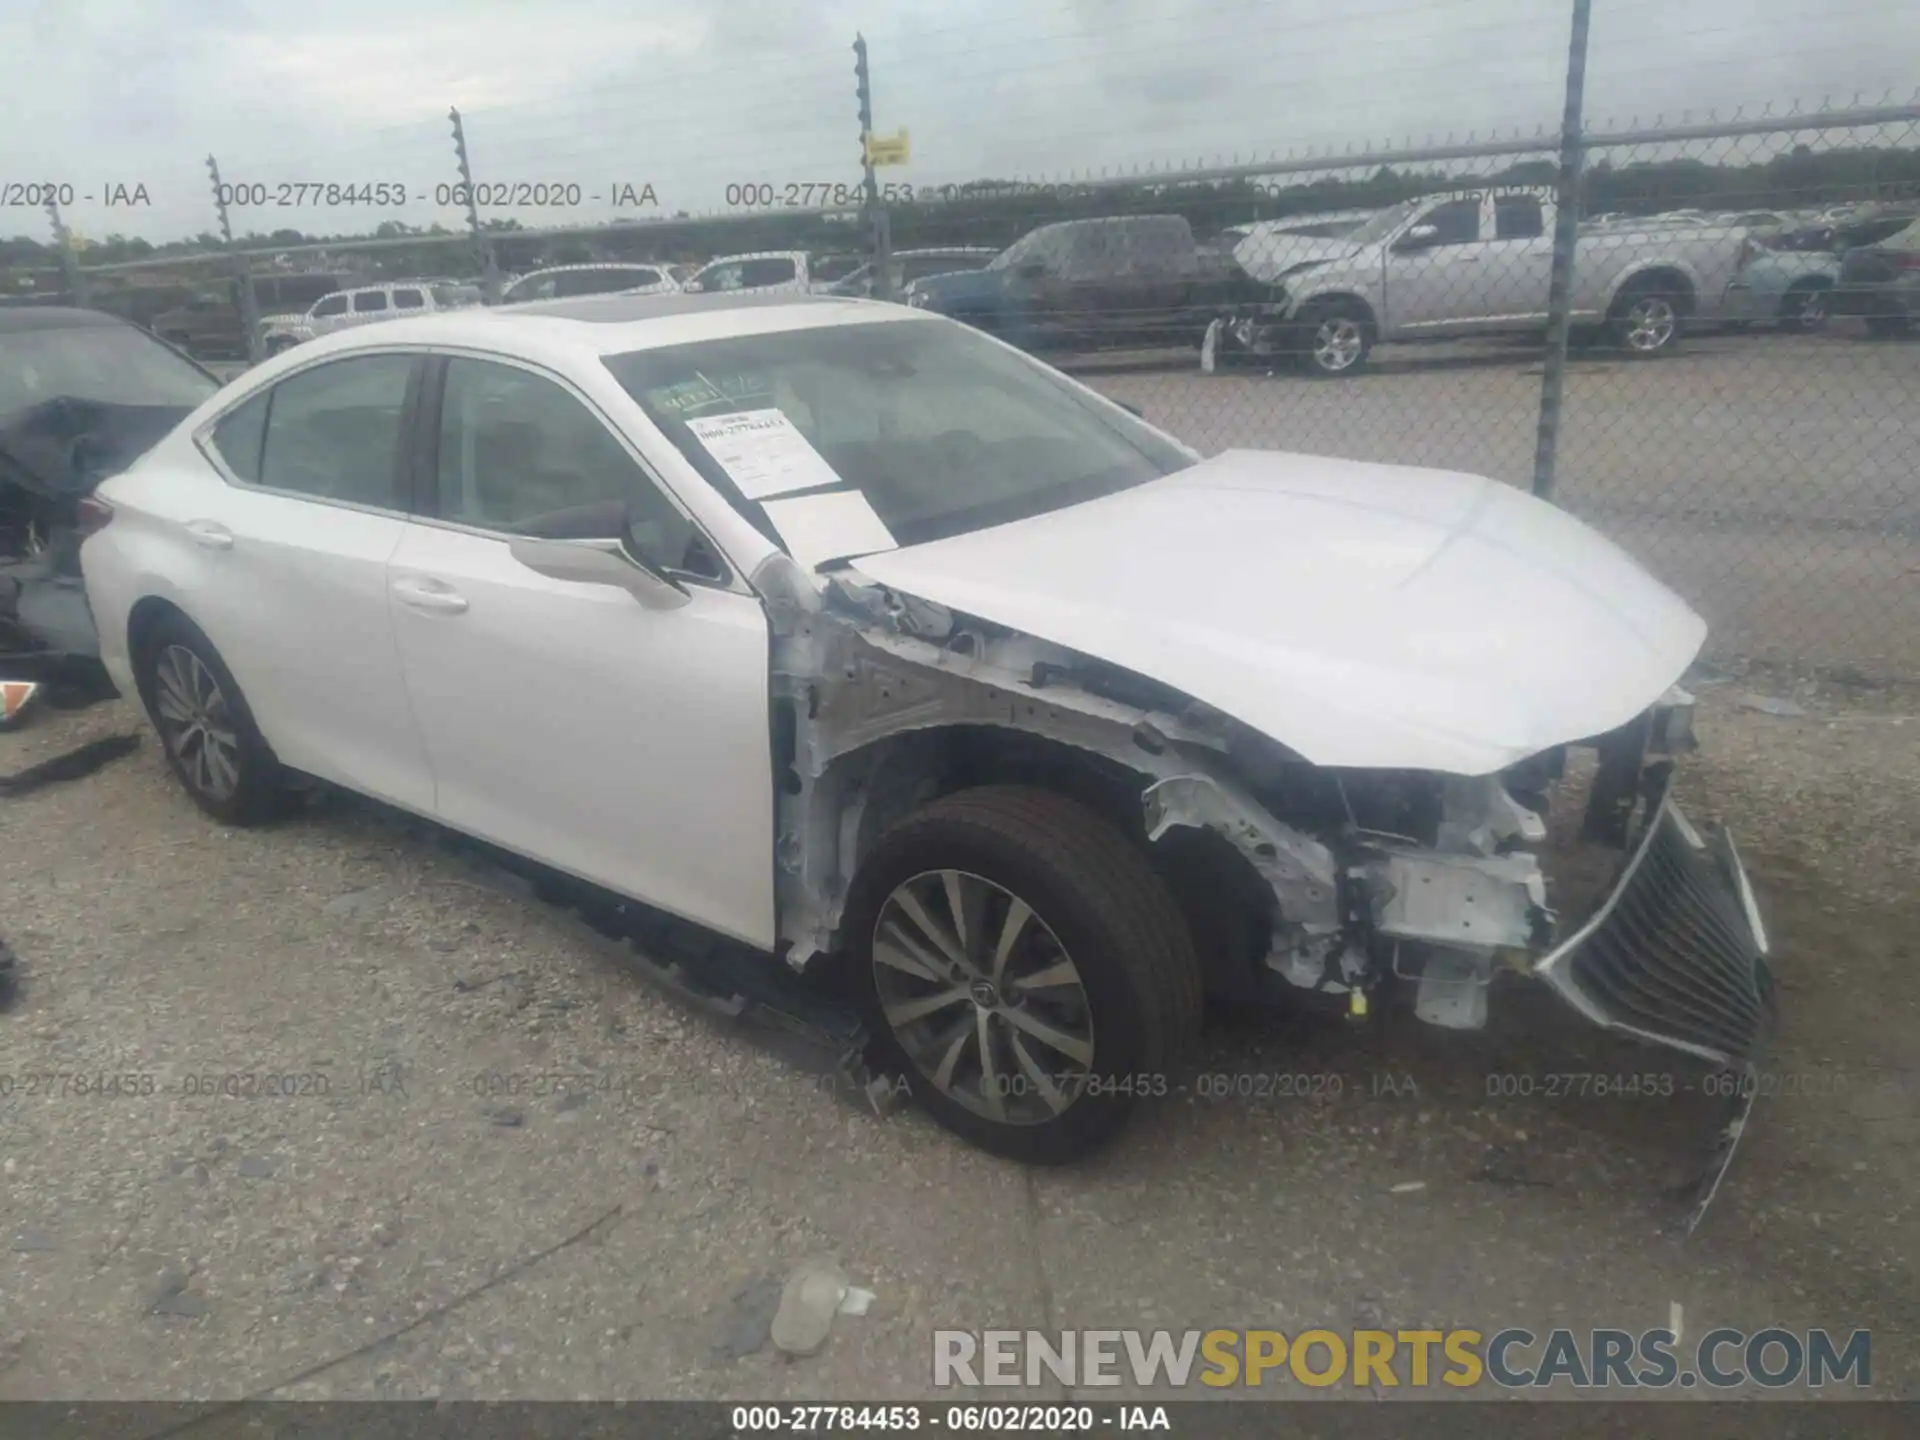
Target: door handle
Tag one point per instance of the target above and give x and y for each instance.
(430, 595)
(211, 534)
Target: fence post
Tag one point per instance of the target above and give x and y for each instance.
(1566, 233)
(70, 272)
(489, 271)
(242, 275)
(879, 230)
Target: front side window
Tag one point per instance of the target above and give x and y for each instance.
(332, 305)
(333, 432)
(941, 429)
(1456, 223)
(534, 287)
(521, 455)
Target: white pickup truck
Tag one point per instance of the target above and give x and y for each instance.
(1465, 263)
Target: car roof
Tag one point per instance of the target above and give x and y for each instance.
(590, 326)
(757, 255)
(17, 318)
(598, 265)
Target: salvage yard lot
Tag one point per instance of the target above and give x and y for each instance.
(408, 1233)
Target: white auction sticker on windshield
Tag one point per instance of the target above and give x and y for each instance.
(764, 453)
(834, 526)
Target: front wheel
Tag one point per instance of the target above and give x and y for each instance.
(1024, 969)
(1335, 339)
(1804, 308)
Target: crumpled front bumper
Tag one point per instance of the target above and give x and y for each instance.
(1677, 953)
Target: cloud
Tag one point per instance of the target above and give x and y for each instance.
(692, 98)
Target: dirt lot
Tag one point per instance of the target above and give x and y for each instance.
(396, 1229)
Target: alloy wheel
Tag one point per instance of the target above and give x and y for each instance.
(1651, 321)
(1337, 343)
(196, 722)
(982, 997)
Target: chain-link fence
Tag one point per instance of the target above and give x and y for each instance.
(1735, 402)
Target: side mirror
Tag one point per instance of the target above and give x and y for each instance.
(1418, 237)
(598, 562)
(1033, 270)
(1133, 410)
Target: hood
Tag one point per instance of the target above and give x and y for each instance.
(66, 446)
(1373, 616)
(1268, 256)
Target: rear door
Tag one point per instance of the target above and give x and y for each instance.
(566, 721)
(369, 305)
(291, 582)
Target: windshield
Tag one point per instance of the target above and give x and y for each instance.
(941, 429)
(1373, 231)
(104, 364)
(1023, 249)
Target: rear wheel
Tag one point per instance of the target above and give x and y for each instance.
(1646, 319)
(212, 743)
(1024, 969)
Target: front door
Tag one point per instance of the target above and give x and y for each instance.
(1434, 273)
(564, 720)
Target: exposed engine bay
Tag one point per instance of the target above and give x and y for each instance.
(1347, 880)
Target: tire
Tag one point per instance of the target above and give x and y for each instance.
(176, 660)
(1647, 319)
(1804, 308)
(1124, 991)
(1335, 339)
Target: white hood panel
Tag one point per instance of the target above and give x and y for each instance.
(1375, 616)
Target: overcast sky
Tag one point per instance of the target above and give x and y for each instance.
(691, 97)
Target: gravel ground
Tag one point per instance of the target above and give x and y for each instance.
(396, 1229)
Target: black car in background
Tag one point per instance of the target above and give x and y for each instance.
(82, 396)
(209, 324)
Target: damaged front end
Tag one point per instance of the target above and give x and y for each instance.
(1359, 880)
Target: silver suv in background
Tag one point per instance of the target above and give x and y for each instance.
(560, 282)
(366, 304)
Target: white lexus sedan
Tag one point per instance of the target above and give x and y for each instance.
(852, 634)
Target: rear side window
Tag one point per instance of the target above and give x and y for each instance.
(333, 432)
(1517, 217)
(240, 436)
(369, 300)
(409, 300)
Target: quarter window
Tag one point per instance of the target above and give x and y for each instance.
(333, 432)
(519, 454)
(239, 437)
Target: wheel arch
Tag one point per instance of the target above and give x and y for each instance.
(1671, 277)
(142, 620)
(1348, 299)
(1228, 906)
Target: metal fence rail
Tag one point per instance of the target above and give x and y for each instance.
(1732, 402)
